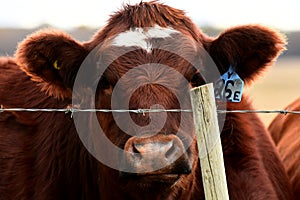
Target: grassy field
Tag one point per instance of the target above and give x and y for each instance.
(279, 87)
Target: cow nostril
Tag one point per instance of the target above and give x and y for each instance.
(135, 150)
(171, 151)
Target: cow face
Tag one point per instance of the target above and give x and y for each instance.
(145, 61)
(150, 74)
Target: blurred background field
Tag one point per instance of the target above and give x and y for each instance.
(279, 86)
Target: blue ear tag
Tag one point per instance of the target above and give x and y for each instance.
(229, 87)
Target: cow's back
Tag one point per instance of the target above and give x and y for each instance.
(18, 132)
(34, 160)
(14, 134)
(285, 130)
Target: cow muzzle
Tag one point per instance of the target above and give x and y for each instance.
(157, 155)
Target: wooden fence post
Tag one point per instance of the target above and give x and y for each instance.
(209, 142)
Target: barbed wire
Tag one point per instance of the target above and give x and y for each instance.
(284, 112)
(139, 111)
(73, 110)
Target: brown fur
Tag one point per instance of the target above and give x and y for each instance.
(41, 156)
(285, 131)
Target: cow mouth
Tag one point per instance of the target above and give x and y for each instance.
(164, 178)
(159, 178)
(153, 180)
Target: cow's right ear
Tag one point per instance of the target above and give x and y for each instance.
(52, 58)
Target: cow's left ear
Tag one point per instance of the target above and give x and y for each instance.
(52, 58)
(248, 49)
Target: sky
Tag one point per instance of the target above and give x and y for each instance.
(66, 14)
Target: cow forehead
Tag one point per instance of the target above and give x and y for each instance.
(140, 37)
(161, 46)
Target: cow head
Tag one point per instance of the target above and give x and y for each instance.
(150, 54)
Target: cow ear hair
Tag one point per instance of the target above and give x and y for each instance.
(52, 58)
(249, 49)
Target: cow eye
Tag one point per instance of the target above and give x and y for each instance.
(197, 80)
(103, 83)
(105, 86)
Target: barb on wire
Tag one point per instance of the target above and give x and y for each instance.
(72, 110)
(285, 112)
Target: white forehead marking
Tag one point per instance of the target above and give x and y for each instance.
(140, 38)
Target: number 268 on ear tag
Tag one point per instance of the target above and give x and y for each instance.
(229, 87)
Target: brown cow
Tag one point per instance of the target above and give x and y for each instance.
(285, 131)
(43, 157)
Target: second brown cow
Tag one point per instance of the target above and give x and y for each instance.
(285, 131)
